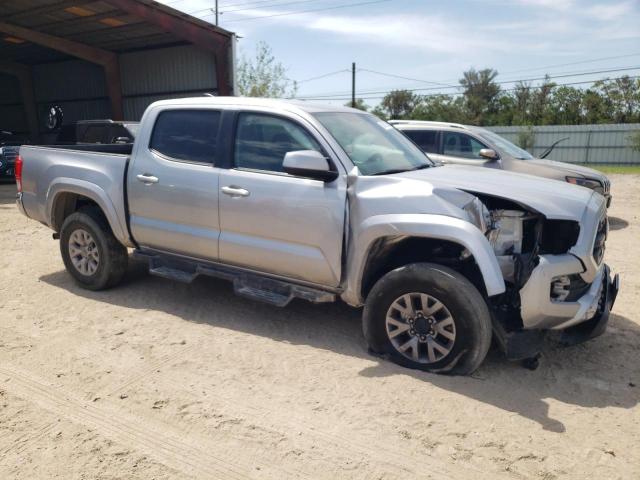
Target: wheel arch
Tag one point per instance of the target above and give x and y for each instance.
(66, 197)
(388, 241)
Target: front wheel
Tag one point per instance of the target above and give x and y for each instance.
(428, 317)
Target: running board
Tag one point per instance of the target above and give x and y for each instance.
(245, 284)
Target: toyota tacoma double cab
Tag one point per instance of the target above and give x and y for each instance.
(292, 200)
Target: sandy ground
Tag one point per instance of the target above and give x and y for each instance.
(159, 380)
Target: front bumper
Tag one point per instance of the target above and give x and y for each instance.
(540, 312)
(595, 326)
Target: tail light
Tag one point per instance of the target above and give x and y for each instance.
(18, 172)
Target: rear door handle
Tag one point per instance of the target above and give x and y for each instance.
(147, 178)
(234, 191)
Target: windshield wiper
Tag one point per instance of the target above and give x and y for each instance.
(401, 170)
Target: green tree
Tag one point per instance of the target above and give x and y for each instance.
(360, 105)
(480, 93)
(566, 106)
(263, 75)
(399, 104)
(440, 108)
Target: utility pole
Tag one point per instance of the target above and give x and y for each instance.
(216, 13)
(353, 85)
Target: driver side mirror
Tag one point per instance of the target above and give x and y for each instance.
(308, 164)
(489, 154)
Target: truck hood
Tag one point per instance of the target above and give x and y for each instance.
(549, 197)
(568, 169)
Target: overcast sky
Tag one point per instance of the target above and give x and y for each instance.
(431, 41)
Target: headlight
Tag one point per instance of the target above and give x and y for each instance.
(586, 182)
(478, 214)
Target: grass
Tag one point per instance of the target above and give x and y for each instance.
(629, 169)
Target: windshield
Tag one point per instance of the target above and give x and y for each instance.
(504, 145)
(374, 146)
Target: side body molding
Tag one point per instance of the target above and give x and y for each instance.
(418, 225)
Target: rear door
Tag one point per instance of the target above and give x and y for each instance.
(427, 140)
(173, 182)
(274, 222)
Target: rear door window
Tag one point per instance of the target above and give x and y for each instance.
(425, 139)
(187, 135)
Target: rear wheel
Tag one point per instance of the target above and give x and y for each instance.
(91, 253)
(428, 317)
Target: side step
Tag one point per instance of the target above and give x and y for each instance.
(245, 284)
(173, 274)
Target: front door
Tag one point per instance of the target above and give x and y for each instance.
(173, 184)
(463, 149)
(274, 222)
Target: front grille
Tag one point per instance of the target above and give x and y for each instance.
(606, 186)
(600, 240)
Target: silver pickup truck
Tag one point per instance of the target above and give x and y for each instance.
(290, 200)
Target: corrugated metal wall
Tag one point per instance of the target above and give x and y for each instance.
(79, 88)
(586, 143)
(174, 72)
(12, 116)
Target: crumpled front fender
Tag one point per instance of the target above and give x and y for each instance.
(418, 225)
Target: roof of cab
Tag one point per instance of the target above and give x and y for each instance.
(291, 105)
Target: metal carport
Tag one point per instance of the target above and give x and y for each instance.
(103, 59)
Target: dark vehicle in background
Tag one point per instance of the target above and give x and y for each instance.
(90, 132)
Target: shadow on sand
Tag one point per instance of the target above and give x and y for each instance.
(600, 373)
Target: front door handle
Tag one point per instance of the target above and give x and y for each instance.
(234, 191)
(147, 178)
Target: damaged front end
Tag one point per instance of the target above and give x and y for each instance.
(554, 275)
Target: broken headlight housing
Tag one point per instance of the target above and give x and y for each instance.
(587, 182)
(478, 214)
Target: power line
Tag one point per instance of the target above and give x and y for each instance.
(404, 78)
(458, 93)
(307, 11)
(323, 76)
(594, 72)
(252, 7)
(573, 63)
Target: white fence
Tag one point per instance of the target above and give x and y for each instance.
(585, 144)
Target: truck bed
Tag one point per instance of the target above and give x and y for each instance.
(98, 175)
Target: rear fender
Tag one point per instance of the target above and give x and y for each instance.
(92, 191)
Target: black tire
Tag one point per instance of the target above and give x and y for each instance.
(467, 308)
(112, 255)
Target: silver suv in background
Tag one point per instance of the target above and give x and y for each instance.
(475, 146)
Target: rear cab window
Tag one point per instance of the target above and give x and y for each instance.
(186, 135)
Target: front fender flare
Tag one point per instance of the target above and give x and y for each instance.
(419, 225)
